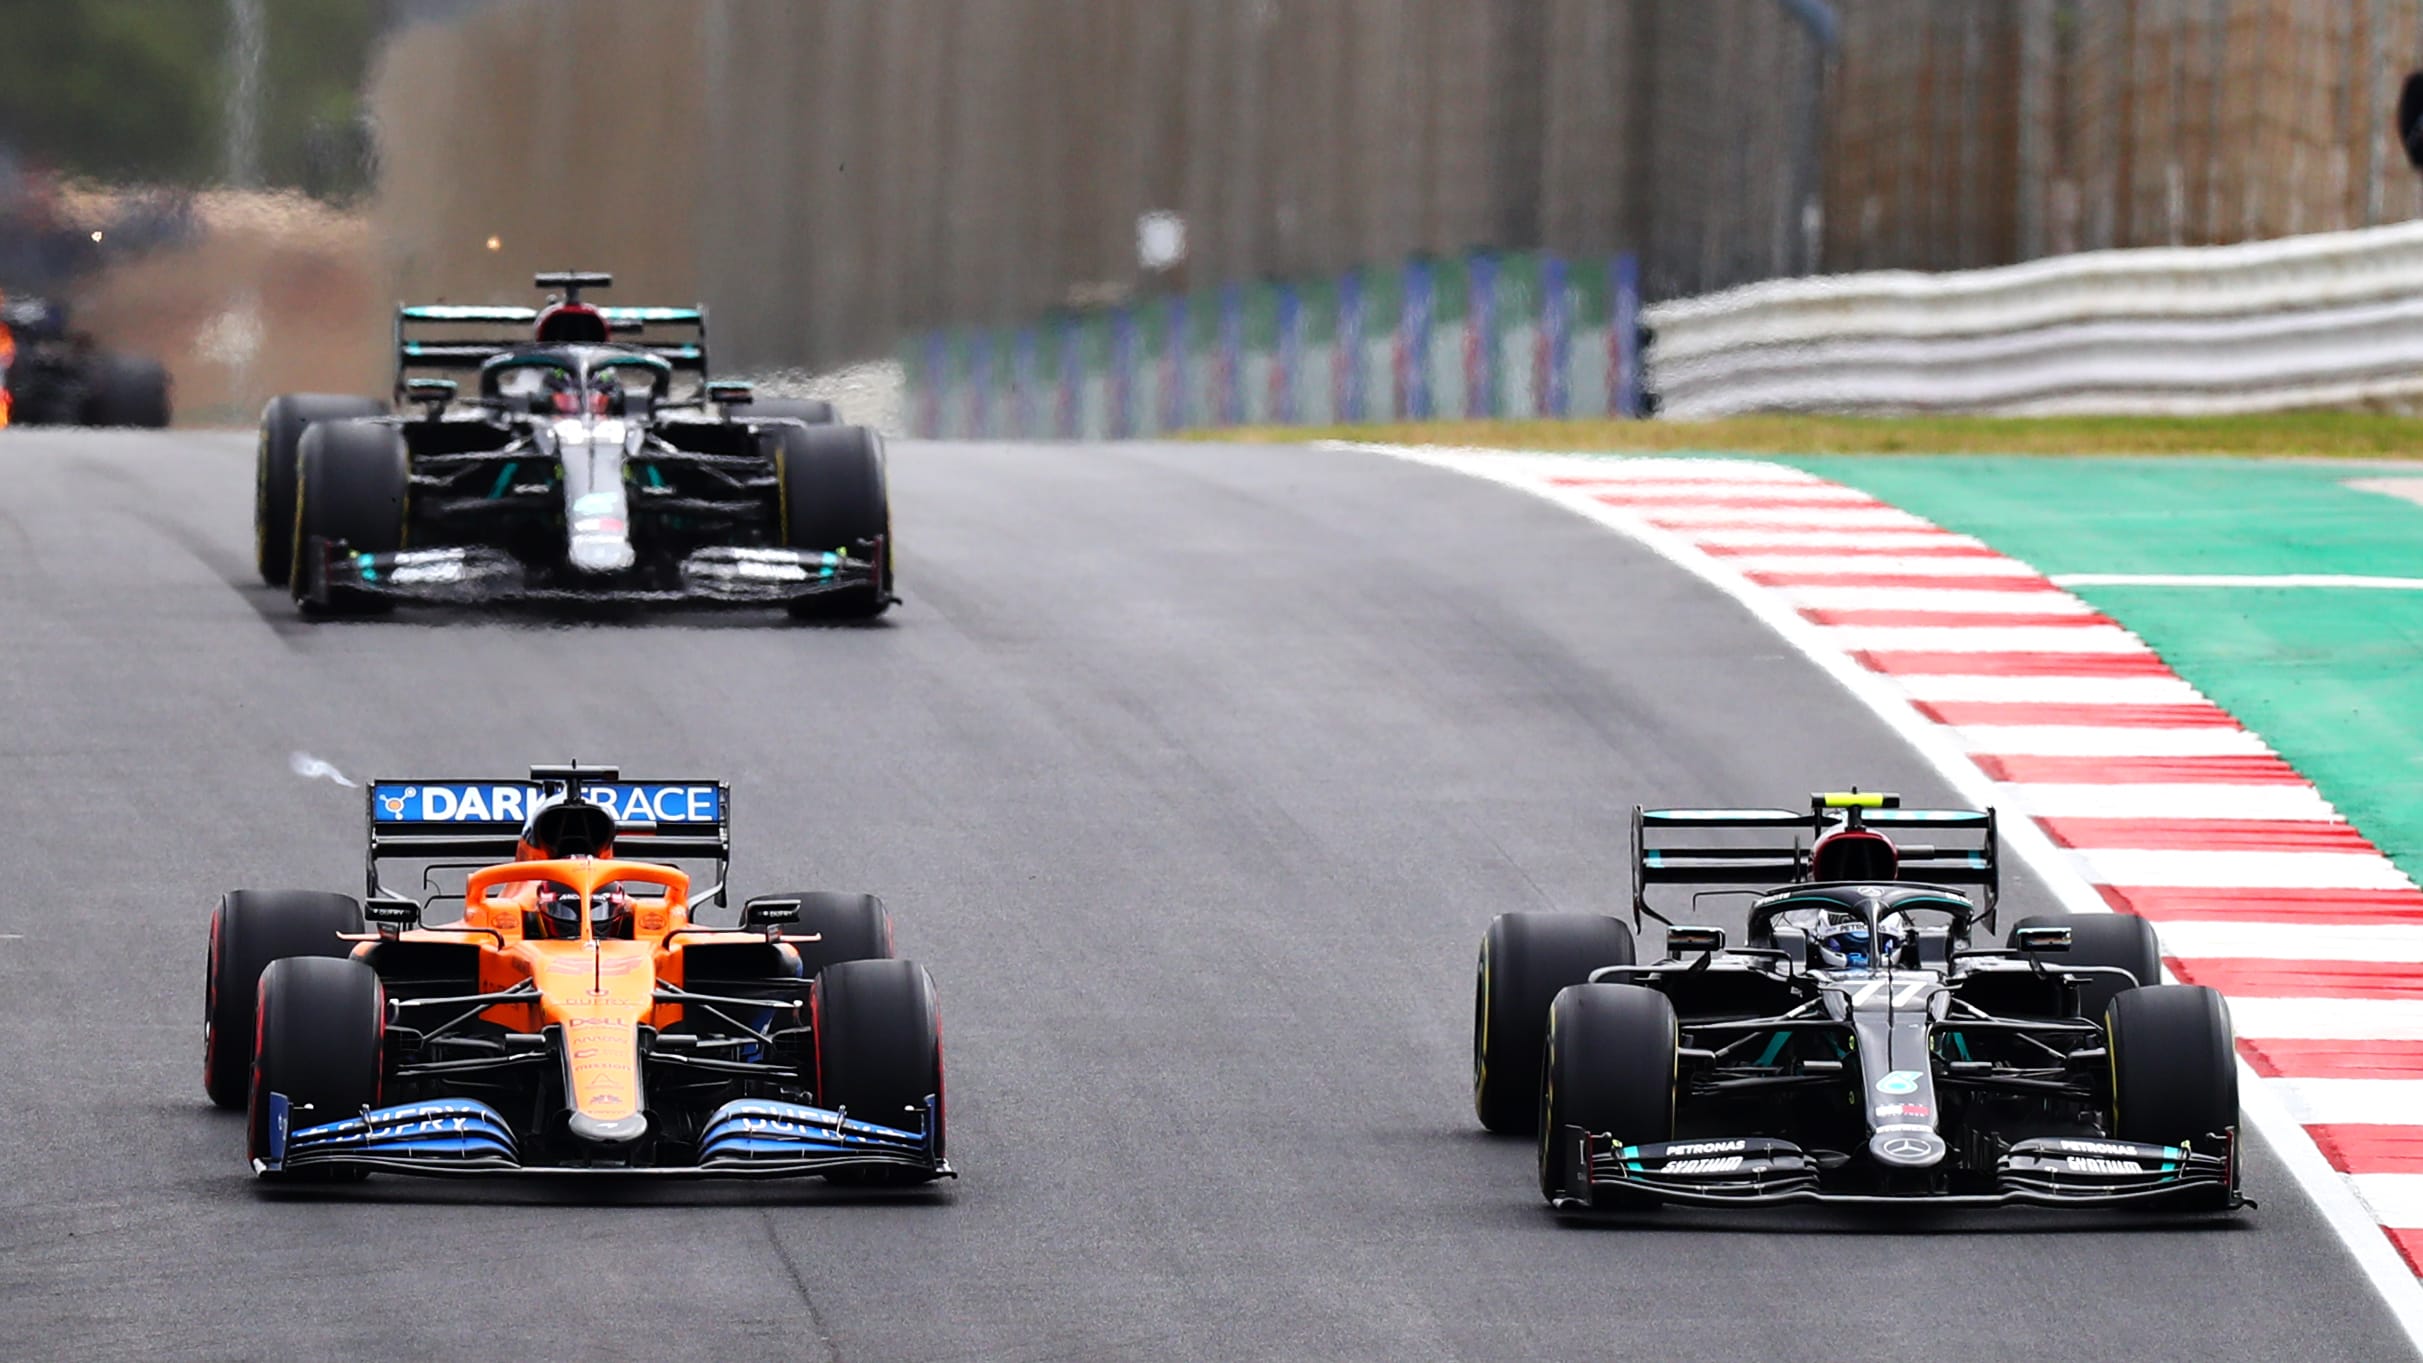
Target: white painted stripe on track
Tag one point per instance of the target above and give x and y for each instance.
(1738, 537)
(2049, 690)
(2355, 581)
(1632, 491)
(2360, 1102)
(1632, 468)
(1985, 638)
(2162, 868)
(1949, 600)
(2301, 1019)
(1831, 518)
(2116, 740)
(2233, 939)
(1876, 565)
(2350, 1218)
(2396, 1198)
(2248, 800)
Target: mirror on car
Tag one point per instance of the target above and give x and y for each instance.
(2040, 938)
(1682, 939)
(438, 391)
(769, 911)
(732, 394)
(391, 911)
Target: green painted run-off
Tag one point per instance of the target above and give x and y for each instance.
(2330, 677)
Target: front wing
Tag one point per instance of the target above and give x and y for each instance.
(1600, 1171)
(746, 1138)
(735, 575)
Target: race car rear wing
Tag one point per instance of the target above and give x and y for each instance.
(477, 821)
(468, 336)
(1766, 864)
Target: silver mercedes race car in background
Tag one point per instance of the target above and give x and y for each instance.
(592, 463)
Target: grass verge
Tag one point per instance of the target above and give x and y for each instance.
(2366, 435)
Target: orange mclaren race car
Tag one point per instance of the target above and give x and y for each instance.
(574, 1017)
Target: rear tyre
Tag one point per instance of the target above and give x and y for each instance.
(879, 1051)
(852, 927)
(2112, 940)
(351, 487)
(833, 496)
(128, 390)
(248, 930)
(1610, 1068)
(282, 424)
(813, 411)
(322, 1022)
(1525, 959)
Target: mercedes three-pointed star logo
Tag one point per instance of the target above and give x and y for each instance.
(1905, 1147)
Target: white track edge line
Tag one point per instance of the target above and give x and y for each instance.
(2354, 1223)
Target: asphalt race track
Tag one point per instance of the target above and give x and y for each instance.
(1192, 773)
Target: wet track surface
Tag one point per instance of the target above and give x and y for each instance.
(1193, 774)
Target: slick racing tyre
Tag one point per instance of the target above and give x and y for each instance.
(1525, 959)
(1610, 1068)
(322, 1022)
(813, 411)
(879, 1051)
(850, 927)
(833, 496)
(2107, 940)
(2174, 1066)
(128, 390)
(248, 930)
(351, 487)
(282, 423)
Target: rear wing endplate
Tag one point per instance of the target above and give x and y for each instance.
(481, 821)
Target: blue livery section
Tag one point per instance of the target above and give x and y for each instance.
(750, 1129)
(745, 1138)
(633, 803)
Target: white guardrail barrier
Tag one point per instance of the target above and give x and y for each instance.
(2333, 319)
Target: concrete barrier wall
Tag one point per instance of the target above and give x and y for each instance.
(832, 175)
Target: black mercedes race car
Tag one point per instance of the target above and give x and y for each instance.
(1856, 1047)
(591, 464)
(58, 376)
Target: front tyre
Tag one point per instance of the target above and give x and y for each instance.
(2174, 1064)
(352, 488)
(2174, 1069)
(833, 496)
(1610, 1068)
(879, 1051)
(273, 477)
(322, 1025)
(1525, 959)
(248, 930)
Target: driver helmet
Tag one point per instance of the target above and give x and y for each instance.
(1841, 940)
(559, 911)
(570, 399)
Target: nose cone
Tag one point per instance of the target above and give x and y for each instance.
(621, 1131)
(601, 533)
